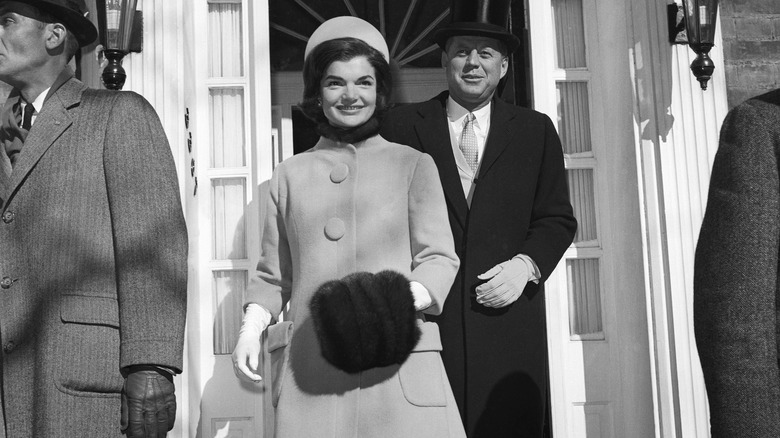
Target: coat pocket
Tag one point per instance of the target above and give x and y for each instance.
(87, 346)
(276, 340)
(82, 309)
(422, 374)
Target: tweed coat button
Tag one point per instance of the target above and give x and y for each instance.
(6, 282)
(9, 347)
(339, 173)
(335, 229)
(8, 216)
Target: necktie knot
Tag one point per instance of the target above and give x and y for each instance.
(468, 142)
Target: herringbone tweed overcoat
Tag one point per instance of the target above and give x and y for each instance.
(93, 253)
(736, 298)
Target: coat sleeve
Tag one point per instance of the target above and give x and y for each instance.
(434, 261)
(735, 278)
(271, 285)
(552, 225)
(150, 235)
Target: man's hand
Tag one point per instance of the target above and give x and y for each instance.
(148, 403)
(506, 282)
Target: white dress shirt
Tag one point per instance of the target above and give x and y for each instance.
(37, 104)
(456, 115)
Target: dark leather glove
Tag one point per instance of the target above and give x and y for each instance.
(148, 403)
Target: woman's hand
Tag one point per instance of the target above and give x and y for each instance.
(246, 355)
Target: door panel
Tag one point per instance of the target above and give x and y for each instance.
(596, 314)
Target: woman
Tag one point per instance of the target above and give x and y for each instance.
(353, 205)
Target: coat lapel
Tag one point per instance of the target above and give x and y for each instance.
(500, 136)
(434, 135)
(5, 161)
(51, 122)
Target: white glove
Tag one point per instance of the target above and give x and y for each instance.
(506, 282)
(422, 298)
(246, 355)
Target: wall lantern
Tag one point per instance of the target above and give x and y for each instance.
(120, 33)
(699, 19)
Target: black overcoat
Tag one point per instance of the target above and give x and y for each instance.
(496, 359)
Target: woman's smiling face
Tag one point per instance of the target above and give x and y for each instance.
(348, 91)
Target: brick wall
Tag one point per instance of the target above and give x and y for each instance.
(751, 47)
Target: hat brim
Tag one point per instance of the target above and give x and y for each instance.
(80, 26)
(443, 34)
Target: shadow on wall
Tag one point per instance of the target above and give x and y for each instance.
(230, 406)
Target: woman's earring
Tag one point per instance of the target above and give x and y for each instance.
(319, 102)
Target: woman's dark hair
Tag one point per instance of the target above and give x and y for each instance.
(342, 49)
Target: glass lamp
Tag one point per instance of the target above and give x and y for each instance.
(700, 20)
(115, 22)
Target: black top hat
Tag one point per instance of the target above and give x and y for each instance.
(71, 13)
(487, 18)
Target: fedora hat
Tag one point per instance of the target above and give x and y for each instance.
(71, 13)
(488, 18)
(347, 26)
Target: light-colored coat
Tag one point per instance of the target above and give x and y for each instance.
(338, 209)
(94, 249)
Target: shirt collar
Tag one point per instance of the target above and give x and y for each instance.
(456, 113)
(38, 102)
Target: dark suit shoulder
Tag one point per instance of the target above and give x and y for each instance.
(754, 120)
(404, 111)
(770, 98)
(527, 114)
(125, 97)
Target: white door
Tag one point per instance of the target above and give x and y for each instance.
(229, 133)
(249, 57)
(600, 372)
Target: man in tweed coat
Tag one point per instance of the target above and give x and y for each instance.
(93, 244)
(736, 299)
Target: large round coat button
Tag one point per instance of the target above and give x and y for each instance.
(9, 347)
(6, 282)
(8, 216)
(335, 229)
(339, 173)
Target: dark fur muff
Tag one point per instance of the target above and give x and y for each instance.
(365, 320)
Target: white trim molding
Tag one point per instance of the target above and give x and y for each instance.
(676, 128)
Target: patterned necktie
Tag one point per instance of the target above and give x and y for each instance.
(29, 109)
(12, 135)
(468, 142)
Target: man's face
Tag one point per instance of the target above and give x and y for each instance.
(473, 65)
(22, 42)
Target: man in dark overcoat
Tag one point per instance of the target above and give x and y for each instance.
(510, 214)
(93, 242)
(736, 285)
